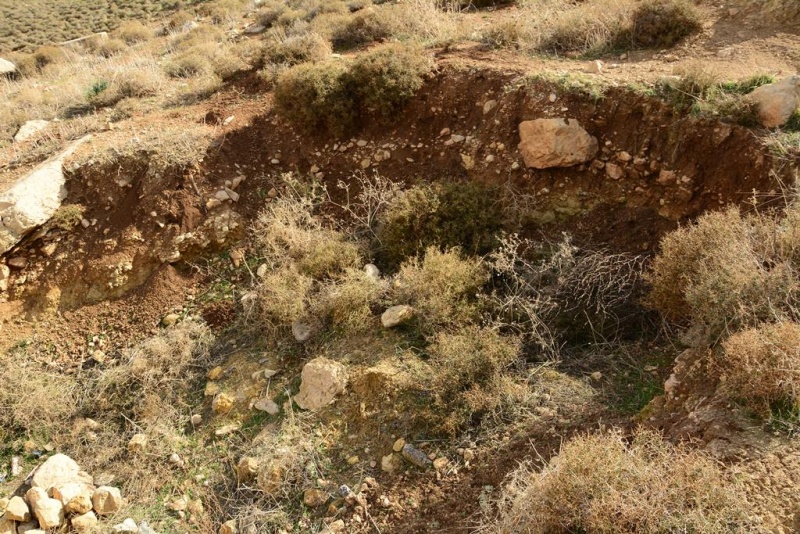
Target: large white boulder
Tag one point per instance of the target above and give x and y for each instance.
(322, 380)
(33, 199)
(58, 470)
(29, 129)
(775, 102)
(546, 143)
(6, 67)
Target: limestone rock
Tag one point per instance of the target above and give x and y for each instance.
(106, 500)
(228, 527)
(49, 512)
(34, 495)
(396, 315)
(314, 498)
(775, 102)
(17, 509)
(372, 271)
(5, 273)
(267, 405)
(546, 143)
(129, 525)
(322, 380)
(222, 404)
(33, 199)
(57, 470)
(80, 504)
(138, 443)
(84, 522)
(247, 469)
(7, 68)
(301, 331)
(29, 129)
(391, 463)
(614, 171)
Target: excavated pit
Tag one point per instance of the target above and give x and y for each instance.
(145, 216)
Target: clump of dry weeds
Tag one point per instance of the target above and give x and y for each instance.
(604, 483)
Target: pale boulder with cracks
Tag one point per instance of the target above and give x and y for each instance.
(322, 380)
(546, 143)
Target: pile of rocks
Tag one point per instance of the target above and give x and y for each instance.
(60, 495)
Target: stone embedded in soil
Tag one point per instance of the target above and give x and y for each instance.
(29, 129)
(170, 319)
(49, 512)
(129, 525)
(314, 498)
(546, 143)
(776, 102)
(228, 527)
(58, 469)
(267, 405)
(84, 522)
(17, 509)
(372, 271)
(106, 500)
(247, 468)
(222, 404)
(440, 463)
(33, 199)
(489, 106)
(138, 443)
(398, 445)
(321, 380)
(396, 315)
(614, 171)
(415, 456)
(301, 331)
(391, 463)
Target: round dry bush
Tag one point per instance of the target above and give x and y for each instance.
(104, 46)
(387, 77)
(347, 303)
(761, 366)
(362, 28)
(602, 483)
(25, 63)
(187, 65)
(722, 273)
(660, 24)
(316, 95)
(283, 296)
(48, 55)
(133, 31)
(297, 49)
(441, 287)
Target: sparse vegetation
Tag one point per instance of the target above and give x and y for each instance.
(602, 483)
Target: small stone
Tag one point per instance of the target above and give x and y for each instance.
(129, 525)
(214, 373)
(597, 375)
(353, 460)
(469, 455)
(196, 419)
(337, 527)
(17, 509)
(175, 459)
(614, 171)
(227, 429)
(80, 504)
(396, 315)
(372, 271)
(321, 380)
(212, 389)
(106, 500)
(49, 512)
(624, 156)
(468, 162)
(415, 456)
(84, 522)
(17, 262)
(489, 106)
(267, 405)
(595, 67)
(138, 443)
(222, 404)
(301, 331)
(261, 272)
(247, 469)
(314, 498)
(398, 445)
(170, 319)
(440, 463)
(228, 527)
(228, 120)
(391, 463)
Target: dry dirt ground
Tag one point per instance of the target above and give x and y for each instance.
(119, 277)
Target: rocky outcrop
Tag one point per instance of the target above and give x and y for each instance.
(396, 315)
(7, 68)
(29, 129)
(776, 102)
(33, 199)
(546, 143)
(322, 380)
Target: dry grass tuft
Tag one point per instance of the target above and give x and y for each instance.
(133, 32)
(762, 366)
(442, 287)
(602, 483)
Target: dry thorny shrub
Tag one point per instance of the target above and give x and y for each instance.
(762, 366)
(728, 271)
(603, 483)
(539, 288)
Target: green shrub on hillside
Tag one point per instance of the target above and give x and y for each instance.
(363, 28)
(297, 49)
